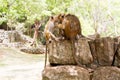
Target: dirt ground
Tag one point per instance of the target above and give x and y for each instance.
(16, 65)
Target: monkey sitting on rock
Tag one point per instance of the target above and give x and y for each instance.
(71, 30)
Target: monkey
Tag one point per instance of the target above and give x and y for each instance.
(48, 31)
(48, 34)
(71, 28)
(36, 27)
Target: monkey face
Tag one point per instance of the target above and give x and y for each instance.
(61, 17)
(58, 19)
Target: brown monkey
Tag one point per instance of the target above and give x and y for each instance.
(48, 33)
(49, 29)
(36, 27)
(71, 27)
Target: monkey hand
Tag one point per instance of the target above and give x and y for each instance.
(57, 39)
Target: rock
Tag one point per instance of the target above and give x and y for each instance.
(104, 51)
(117, 56)
(5, 41)
(25, 38)
(1, 40)
(14, 36)
(65, 73)
(106, 73)
(93, 52)
(16, 44)
(32, 50)
(93, 49)
(61, 52)
(3, 45)
(9, 36)
(83, 52)
(14, 39)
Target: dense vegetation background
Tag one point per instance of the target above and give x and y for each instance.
(96, 16)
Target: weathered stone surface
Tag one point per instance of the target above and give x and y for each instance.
(33, 50)
(83, 52)
(65, 73)
(13, 36)
(104, 50)
(1, 41)
(9, 36)
(61, 52)
(93, 49)
(12, 45)
(117, 56)
(14, 39)
(93, 52)
(106, 73)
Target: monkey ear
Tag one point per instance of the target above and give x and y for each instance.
(63, 16)
(59, 15)
(51, 18)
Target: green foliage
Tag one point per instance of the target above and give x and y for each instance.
(96, 16)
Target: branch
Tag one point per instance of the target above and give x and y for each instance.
(115, 29)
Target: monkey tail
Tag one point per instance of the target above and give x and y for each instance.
(73, 52)
(82, 36)
(45, 56)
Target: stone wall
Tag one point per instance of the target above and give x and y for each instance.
(100, 60)
(13, 36)
(17, 39)
(13, 39)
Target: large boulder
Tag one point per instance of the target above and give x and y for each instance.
(33, 50)
(65, 73)
(61, 52)
(9, 36)
(93, 52)
(106, 73)
(104, 51)
(117, 56)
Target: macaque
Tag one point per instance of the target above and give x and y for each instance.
(36, 27)
(70, 25)
(71, 30)
(48, 34)
(49, 29)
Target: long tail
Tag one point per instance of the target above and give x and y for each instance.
(86, 37)
(74, 54)
(45, 56)
(74, 51)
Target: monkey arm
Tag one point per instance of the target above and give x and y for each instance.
(53, 36)
(48, 35)
(61, 26)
